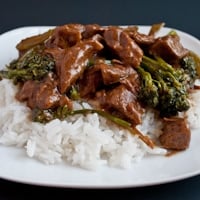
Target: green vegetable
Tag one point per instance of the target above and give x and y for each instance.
(196, 59)
(166, 87)
(33, 41)
(149, 90)
(62, 112)
(155, 28)
(33, 65)
(44, 116)
(189, 65)
(73, 93)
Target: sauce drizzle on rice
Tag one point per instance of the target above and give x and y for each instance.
(73, 75)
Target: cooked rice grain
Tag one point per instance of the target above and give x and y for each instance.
(86, 141)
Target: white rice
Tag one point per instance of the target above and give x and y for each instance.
(86, 141)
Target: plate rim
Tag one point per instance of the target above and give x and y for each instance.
(164, 181)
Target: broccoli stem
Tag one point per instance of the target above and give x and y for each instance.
(30, 42)
(149, 90)
(161, 68)
(62, 112)
(118, 121)
(44, 116)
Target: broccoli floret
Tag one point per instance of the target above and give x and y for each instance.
(196, 59)
(172, 100)
(33, 65)
(189, 65)
(171, 92)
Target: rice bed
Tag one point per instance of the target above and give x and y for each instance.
(86, 141)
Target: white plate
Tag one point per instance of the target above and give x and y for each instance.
(16, 166)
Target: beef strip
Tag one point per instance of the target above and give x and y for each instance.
(176, 134)
(102, 74)
(140, 38)
(42, 95)
(115, 73)
(123, 101)
(124, 47)
(169, 48)
(71, 63)
(132, 83)
(91, 30)
(90, 83)
(66, 36)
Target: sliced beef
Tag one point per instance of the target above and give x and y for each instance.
(102, 74)
(66, 36)
(132, 82)
(176, 134)
(42, 95)
(123, 101)
(91, 30)
(141, 39)
(169, 48)
(113, 88)
(123, 46)
(115, 73)
(71, 63)
(90, 83)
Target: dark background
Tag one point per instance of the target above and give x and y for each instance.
(183, 15)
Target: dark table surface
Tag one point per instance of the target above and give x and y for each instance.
(183, 15)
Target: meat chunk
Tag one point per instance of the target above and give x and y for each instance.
(176, 134)
(90, 83)
(121, 43)
(42, 95)
(71, 63)
(102, 74)
(132, 83)
(119, 99)
(91, 30)
(122, 100)
(140, 38)
(169, 48)
(115, 73)
(66, 36)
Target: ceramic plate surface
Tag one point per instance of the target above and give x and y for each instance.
(152, 170)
